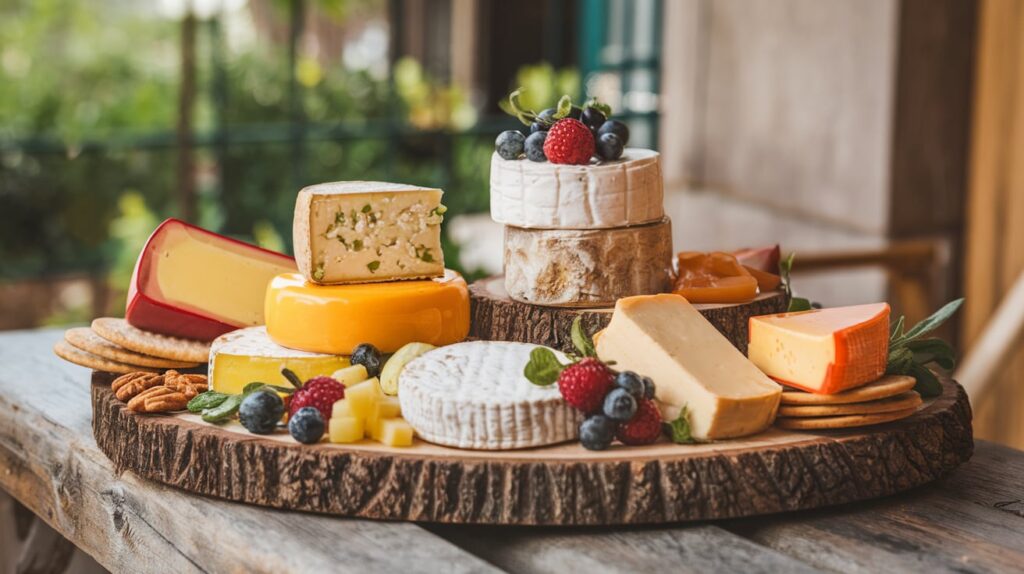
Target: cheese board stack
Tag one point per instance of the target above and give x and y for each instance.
(602, 380)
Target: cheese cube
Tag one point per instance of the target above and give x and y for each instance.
(692, 365)
(192, 283)
(822, 350)
(385, 408)
(345, 429)
(362, 397)
(363, 231)
(395, 432)
(342, 408)
(350, 375)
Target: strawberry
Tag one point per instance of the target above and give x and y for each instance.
(584, 384)
(569, 141)
(318, 392)
(644, 427)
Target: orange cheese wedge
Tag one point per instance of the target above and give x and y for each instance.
(713, 278)
(823, 350)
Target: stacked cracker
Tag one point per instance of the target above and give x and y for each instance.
(885, 400)
(112, 345)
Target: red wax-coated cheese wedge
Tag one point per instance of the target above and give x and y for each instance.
(823, 350)
(196, 284)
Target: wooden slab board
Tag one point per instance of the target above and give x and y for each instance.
(494, 316)
(775, 471)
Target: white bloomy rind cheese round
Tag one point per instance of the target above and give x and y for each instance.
(587, 268)
(248, 355)
(474, 395)
(618, 193)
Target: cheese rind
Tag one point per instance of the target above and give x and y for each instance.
(334, 319)
(580, 268)
(823, 350)
(692, 365)
(474, 395)
(193, 283)
(627, 191)
(365, 231)
(247, 355)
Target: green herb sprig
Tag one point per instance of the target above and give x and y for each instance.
(795, 303)
(544, 367)
(910, 353)
(216, 407)
(679, 429)
(513, 107)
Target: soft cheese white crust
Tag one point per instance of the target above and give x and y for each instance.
(545, 195)
(474, 395)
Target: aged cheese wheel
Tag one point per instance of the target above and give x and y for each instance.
(587, 268)
(544, 195)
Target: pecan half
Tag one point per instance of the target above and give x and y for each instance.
(127, 386)
(158, 400)
(189, 385)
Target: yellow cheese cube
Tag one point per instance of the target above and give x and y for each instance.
(362, 396)
(385, 408)
(395, 432)
(346, 429)
(343, 408)
(350, 375)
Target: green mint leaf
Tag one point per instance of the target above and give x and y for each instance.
(799, 304)
(207, 400)
(933, 350)
(564, 107)
(928, 384)
(581, 340)
(679, 429)
(937, 318)
(224, 410)
(543, 367)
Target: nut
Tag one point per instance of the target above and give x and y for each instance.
(158, 400)
(189, 385)
(127, 386)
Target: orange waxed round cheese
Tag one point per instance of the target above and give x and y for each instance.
(334, 319)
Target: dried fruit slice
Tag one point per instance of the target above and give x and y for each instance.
(397, 362)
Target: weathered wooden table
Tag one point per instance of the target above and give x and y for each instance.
(972, 521)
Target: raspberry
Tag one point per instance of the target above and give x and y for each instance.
(318, 392)
(584, 384)
(569, 141)
(644, 427)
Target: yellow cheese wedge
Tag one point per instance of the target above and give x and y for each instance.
(692, 365)
(822, 350)
(345, 429)
(395, 432)
(335, 319)
(248, 355)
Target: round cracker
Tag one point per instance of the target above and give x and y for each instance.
(907, 400)
(887, 386)
(841, 422)
(119, 332)
(71, 354)
(85, 339)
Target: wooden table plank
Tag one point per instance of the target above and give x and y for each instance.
(972, 521)
(49, 461)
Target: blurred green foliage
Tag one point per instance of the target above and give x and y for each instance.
(542, 86)
(87, 156)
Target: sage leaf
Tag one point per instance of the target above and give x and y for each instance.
(581, 340)
(224, 410)
(928, 384)
(206, 400)
(799, 304)
(543, 367)
(937, 318)
(253, 387)
(897, 329)
(933, 350)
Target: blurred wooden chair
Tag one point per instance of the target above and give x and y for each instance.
(999, 339)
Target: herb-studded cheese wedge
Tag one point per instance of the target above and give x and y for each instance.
(474, 395)
(692, 365)
(364, 231)
(822, 350)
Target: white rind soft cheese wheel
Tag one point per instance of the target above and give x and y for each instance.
(543, 195)
(474, 395)
(587, 268)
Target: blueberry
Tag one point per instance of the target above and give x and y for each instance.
(535, 146)
(648, 388)
(261, 411)
(547, 116)
(509, 144)
(597, 432)
(575, 112)
(615, 127)
(631, 382)
(538, 127)
(592, 119)
(368, 356)
(609, 147)
(619, 405)
(306, 425)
